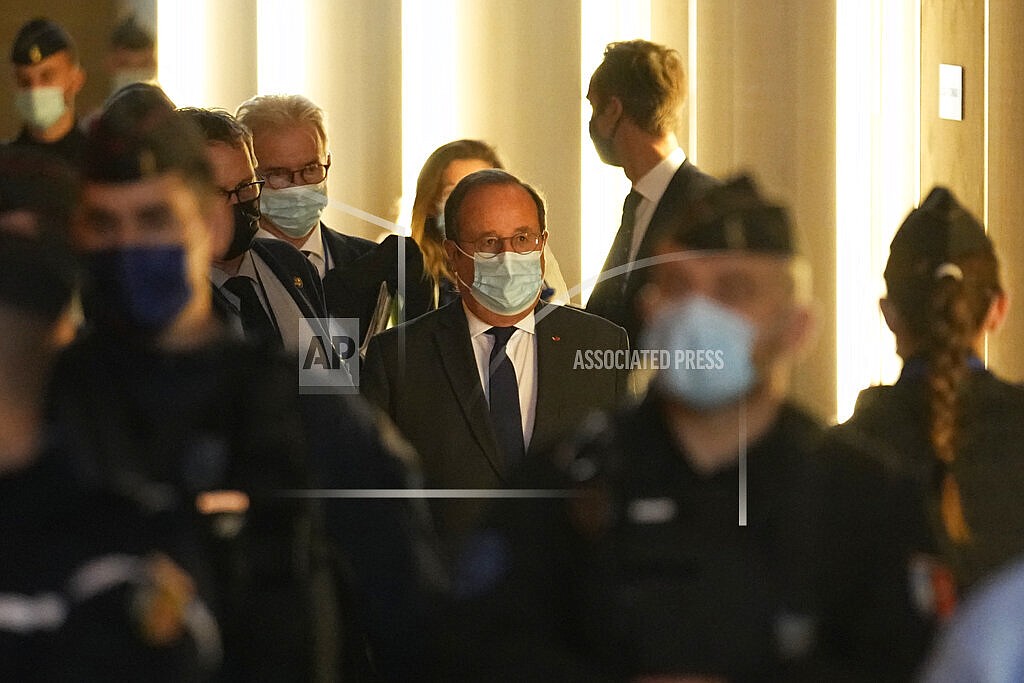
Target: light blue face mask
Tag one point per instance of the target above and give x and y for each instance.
(508, 283)
(40, 107)
(710, 350)
(295, 210)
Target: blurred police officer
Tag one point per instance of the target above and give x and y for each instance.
(708, 534)
(191, 421)
(86, 589)
(47, 79)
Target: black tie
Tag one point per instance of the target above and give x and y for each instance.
(504, 392)
(618, 255)
(255, 321)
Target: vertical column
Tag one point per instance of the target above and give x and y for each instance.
(1005, 168)
(766, 104)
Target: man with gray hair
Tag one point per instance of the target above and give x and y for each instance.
(290, 141)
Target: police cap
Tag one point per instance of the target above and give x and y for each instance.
(37, 40)
(734, 216)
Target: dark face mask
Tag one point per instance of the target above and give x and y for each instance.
(35, 276)
(137, 289)
(605, 146)
(247, 216)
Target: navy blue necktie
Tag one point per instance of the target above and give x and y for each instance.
(506, 417)
(618, 255)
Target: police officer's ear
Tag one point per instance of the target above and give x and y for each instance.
(801, 330)
(996, 312)
(647, 301)
(891, 316)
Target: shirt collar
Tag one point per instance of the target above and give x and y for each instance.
(478, 326)
(314, 243)
(653, 184)
(247, 267)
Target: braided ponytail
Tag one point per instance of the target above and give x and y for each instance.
(942, 277)
(947, 344)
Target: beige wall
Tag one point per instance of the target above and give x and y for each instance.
(953, 153)
(766, 105)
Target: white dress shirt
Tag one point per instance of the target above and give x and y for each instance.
(312, 249)
(651, 188)
(522, 351)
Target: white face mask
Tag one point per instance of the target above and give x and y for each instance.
(711, 351)
(294, 210)
(508, 283)
(40, 107)
(123, 77)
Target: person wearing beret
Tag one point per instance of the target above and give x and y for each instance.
(82, 567)
(712, 532)
(953, 424)
(637, 96)
(48, 78)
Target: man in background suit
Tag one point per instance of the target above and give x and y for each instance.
(290, 142)
(482, 383)
(637, 95)
(262, 287)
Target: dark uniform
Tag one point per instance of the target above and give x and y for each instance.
(989, 467)
(644, 568)
(166, 427)
(73, 582)
(70, 148)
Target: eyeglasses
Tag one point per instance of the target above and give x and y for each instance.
(310, 174)
(521, 243)
(246, 192)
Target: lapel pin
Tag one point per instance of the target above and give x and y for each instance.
(298, 281)
(556, 338)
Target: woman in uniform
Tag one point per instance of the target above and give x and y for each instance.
(956, 426)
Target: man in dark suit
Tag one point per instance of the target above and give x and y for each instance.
(290, 142)
(637, 95)
(481, 384)
(262, 287)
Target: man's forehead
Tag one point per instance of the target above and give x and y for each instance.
(58, 60)
(132, 195)
(725, 261)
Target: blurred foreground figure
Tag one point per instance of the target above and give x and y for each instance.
(984, 643)
(86, 592)
(711, 533)
(170, 410)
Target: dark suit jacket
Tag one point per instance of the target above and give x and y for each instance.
(615, 299)
(424, 374)
(293, 270)
(360, 266)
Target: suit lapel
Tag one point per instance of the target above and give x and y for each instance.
(554, 357)
(459, 361)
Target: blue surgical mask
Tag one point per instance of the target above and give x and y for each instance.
(294, 210)
(710, 353)
(40, 107)
(138, 288)
(508, 283)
